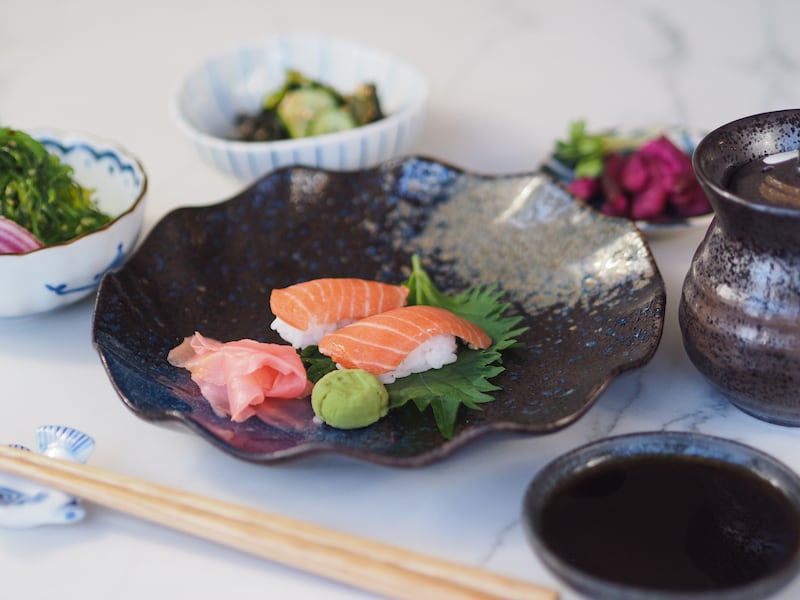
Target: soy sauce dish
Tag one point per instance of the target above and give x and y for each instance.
(668, 515)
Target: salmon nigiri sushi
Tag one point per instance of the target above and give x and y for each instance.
(399, 342)
(306, 311)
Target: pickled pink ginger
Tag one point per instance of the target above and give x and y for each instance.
(240, 378)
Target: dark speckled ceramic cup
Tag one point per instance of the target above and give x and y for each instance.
(739, 311)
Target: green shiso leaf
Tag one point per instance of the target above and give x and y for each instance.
(444, 390)
(464, 382)
(317, 364)
(482, 305)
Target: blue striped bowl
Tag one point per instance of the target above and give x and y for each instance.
(236, 81)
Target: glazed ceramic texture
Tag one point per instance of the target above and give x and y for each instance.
(740, 307)
(586, 285)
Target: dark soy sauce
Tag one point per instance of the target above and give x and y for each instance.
(687, 523)
(775, 183)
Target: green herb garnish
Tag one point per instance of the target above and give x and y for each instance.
(317, 364)
(39, 192)
(481, 305)
(465, 381)
(584, 152)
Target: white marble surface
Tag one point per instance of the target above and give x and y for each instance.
(507, 77)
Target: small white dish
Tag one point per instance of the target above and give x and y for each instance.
(237, 80)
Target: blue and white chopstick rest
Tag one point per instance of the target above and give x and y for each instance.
(25, 503)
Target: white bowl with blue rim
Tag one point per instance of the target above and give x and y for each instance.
(54, 276)
(236, 81)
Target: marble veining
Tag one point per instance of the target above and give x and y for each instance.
(506, 80)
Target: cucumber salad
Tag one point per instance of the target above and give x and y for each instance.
(305, 107)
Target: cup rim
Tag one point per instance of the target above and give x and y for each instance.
(719, 137)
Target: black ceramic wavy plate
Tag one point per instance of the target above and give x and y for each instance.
(587, 285)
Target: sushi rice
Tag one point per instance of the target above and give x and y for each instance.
(434, 353)
(301, 338)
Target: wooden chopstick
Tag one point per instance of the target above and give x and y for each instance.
(387, 570)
